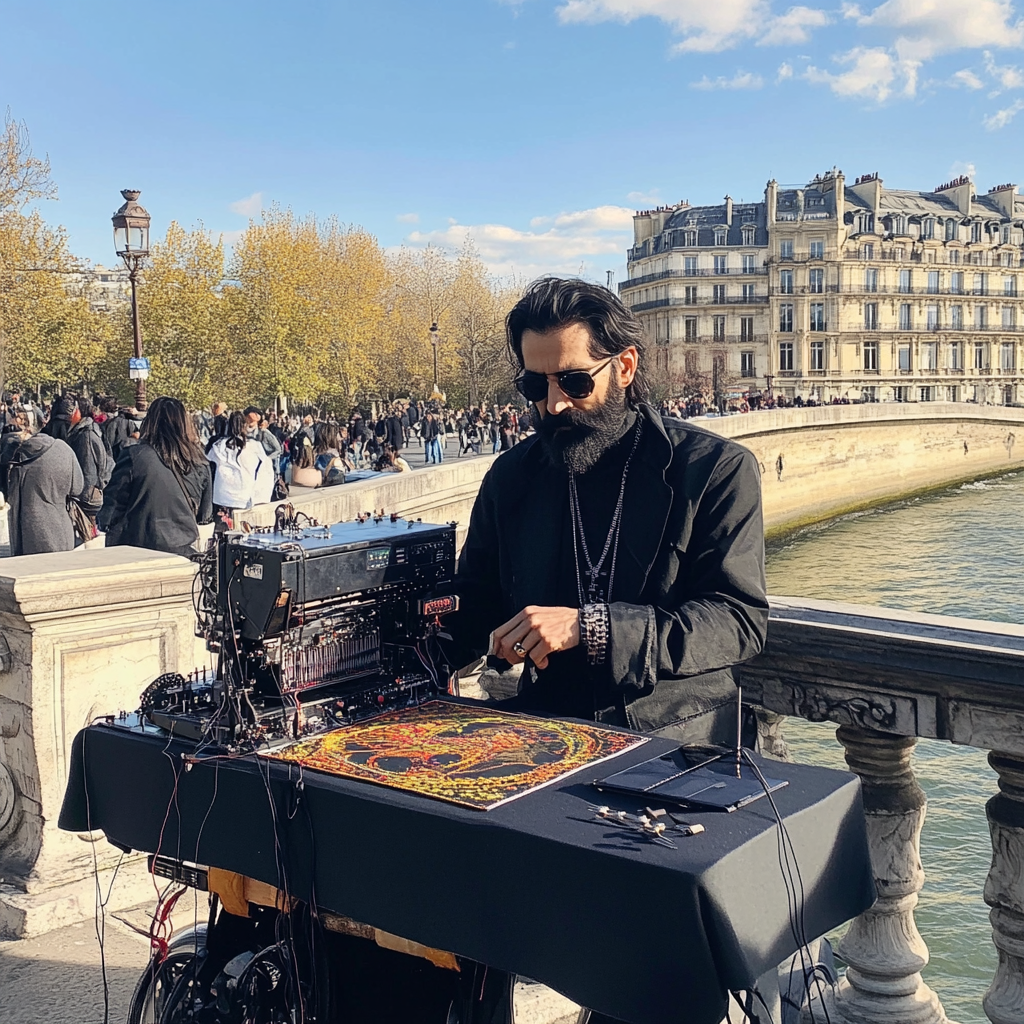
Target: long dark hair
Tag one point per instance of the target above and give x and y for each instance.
(327, 439)
(553, 302)
(235, 433)
(166, 430)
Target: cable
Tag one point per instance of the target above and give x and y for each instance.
(795, 900)
(99, 911)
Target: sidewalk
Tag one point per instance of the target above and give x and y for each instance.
(56, 978)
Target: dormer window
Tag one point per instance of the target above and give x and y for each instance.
(865, 223)
(899, 225)
(951, 230)
(748, 235)
(976, 232)
(928, 228)
(689, 237)
(720, 236)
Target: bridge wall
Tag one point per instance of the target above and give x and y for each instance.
(834, 459)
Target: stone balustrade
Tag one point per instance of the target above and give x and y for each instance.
(887, 678)
(82, 633)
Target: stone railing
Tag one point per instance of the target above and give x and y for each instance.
(886, 678)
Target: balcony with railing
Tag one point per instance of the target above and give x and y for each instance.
(887, 678)
(729, 300)
(674, 274)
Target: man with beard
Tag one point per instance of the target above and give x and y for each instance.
(618, 554)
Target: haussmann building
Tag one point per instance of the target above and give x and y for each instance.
(829, 290)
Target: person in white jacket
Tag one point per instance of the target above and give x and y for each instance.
(243, 472)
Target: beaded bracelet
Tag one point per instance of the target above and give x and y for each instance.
(594, 630)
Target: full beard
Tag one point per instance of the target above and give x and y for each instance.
(577, 440)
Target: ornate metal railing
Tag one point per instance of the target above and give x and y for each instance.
(886, 678)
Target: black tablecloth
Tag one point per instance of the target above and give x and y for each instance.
(632, 929)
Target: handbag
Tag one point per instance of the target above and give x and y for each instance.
(84, 527)
(92, 504)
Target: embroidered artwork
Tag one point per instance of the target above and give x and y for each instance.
(471, 756)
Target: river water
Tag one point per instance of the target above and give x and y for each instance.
(955, 552)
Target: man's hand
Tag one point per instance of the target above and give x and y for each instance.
(539, 631)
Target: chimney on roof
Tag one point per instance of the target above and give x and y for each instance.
(728, 210)
(771, 197)
(1004, 196)
(959, 190)
(868, 188)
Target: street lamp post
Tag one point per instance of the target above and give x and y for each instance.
(438, 394)
(131, 243)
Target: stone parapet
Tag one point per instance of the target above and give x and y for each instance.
(81, 635)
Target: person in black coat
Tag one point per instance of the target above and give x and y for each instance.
(618, 554)
(115, 427)
(161, 487)
(394, 435)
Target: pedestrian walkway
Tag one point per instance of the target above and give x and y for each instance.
(56, 978)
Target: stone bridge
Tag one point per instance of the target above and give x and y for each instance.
(81, 634)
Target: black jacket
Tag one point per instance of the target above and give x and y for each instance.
(144, 506)
(115, 431)
(689, 598)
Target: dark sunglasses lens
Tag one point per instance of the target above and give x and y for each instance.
(576, 384)
(532, 386)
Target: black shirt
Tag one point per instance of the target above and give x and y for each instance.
(575, 690)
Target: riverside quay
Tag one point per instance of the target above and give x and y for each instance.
(832, 290)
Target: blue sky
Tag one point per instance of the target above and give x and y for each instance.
(536, 126)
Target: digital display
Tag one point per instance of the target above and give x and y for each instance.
(377, 558)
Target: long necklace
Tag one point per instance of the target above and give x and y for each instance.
(595, 592)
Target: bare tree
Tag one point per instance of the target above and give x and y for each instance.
(24, 178)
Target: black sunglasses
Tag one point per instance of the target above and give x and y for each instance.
(533, 386)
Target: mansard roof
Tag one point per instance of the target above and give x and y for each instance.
(916, 204)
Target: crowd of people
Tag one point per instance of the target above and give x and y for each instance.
(82, 466)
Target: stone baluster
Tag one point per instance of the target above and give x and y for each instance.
(883, 948)
(1004, 890)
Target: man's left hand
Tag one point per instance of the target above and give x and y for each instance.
(539, 631)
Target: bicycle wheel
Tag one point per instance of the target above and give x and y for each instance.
(154, 989)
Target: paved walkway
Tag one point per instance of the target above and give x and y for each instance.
(56, 978)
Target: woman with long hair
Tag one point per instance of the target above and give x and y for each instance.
(304, 473)
(160, 489)
(245, 473)
(329, 459)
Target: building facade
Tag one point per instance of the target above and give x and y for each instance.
(857, 291)
(104, 287)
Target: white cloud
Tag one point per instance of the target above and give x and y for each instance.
(960, 168)
(741, 80)
(706, 27)
(645, 199)
(930, 27)
(1008, 76)
(250, 207)
(874, 73)
(785, 71)
(408, 218)
(1001, 118)
(793, 26)
(554, 244)
(966, 79)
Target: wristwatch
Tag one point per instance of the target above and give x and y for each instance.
(594, 629)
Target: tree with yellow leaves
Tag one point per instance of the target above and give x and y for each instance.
(47, 335)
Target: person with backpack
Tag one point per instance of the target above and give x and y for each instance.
(161, 489)
(244, 473)
(329, 460)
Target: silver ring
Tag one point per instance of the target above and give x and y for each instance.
(519, 649)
